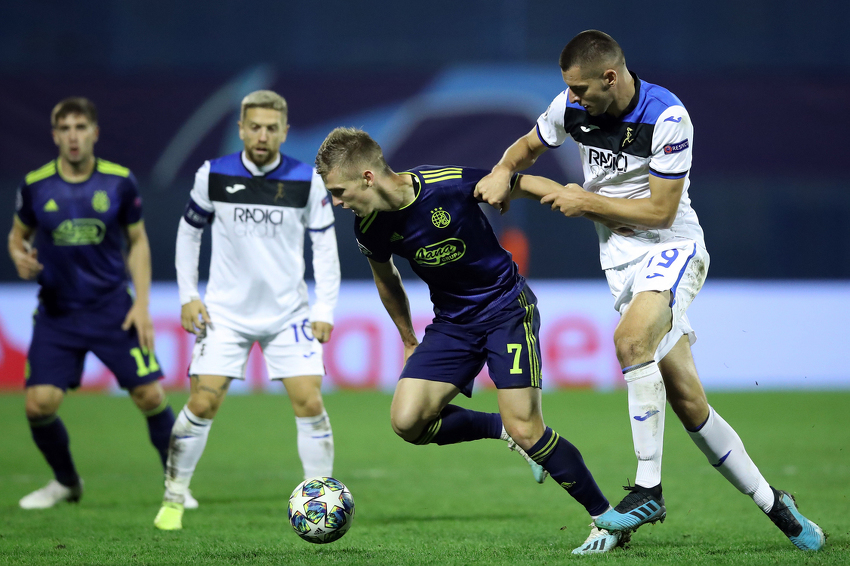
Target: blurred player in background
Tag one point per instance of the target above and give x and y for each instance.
(635, 140)
(261, 202)
(73, 216)
(484, 310)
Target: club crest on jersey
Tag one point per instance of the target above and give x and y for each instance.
(440, 217)
(279, 194)
(676, 147)
(628, 138)
(100, 201)
(441, 253)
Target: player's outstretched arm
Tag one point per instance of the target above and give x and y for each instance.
(139, 266)
(393, 296)
(23, 256)
(495, 189)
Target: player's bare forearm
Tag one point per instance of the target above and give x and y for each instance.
(494, 189)
(532, 186)
(522, 153)
(656, 212)
(139, 262)
(23, 256)
(394, 298)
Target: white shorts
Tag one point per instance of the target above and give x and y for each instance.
(292, 352)
(679, 267)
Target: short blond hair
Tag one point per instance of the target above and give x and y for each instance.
(264, 99)
(349, 150)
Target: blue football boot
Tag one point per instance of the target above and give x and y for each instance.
(803, 533)
(642, 505)
(601, 541)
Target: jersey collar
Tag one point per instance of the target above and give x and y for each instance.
(259, 171)
(417, 187)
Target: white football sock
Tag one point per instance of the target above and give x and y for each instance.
(315, 445)
(725, 451)
(188, 439)
(647, 401)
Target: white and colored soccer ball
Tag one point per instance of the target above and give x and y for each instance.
(321, 510)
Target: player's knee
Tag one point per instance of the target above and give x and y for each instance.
(526, 433)
(406, 426)
(631, 349)
(148, 397)
(38, 408)
(203, 406)
(308, 405)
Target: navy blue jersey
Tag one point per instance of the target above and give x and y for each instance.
(79, 232)
(449, 243)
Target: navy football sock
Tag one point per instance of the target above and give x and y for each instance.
(160, 423)
(456, 424)
(51, 437)
(564, 463)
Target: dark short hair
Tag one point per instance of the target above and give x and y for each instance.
(74, 105)
(591, 48)
(348, 149)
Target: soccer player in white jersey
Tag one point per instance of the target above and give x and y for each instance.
(262, 202)
(635, 141)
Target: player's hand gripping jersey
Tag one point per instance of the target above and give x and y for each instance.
(258, 222)
(653, 136)
(79, 233)
(449, 243)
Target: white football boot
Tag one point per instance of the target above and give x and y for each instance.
(539, 473)
(51, 494)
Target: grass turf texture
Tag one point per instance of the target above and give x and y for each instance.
(472, 503)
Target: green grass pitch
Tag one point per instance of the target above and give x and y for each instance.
(473, 503)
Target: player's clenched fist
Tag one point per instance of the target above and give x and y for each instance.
(567, 200)
(495, 189)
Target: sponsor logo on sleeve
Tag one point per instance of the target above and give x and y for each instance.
(326, 201)
(675, 119)
(676, 147)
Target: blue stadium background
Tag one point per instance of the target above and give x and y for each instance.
(766, 83)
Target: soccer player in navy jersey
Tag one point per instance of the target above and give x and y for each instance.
(635, 140)
(73, 218)
(484, 310)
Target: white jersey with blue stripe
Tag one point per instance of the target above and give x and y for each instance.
(653, 136)
(259, 217)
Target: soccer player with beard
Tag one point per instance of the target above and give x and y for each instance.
(73, 218)
(636, 140)
(262, 202)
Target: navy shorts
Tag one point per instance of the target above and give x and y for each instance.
(508, 343)
(60, 343)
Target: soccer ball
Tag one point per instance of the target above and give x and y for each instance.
(321, 510)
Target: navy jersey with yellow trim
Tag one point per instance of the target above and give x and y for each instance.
(79, 232)
(449, 243)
